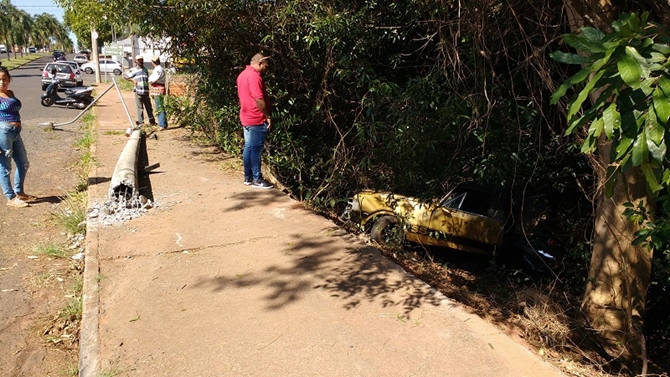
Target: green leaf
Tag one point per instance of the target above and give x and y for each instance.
(657, 151)
(570, 58)
(655, 131)
(662, 48)
(577, 103)
(630, 71)
(664, 83)
(589, 145)
(623, 146)
(661, 105)
(647, 87)
(599, 63)
(580, 122)
(592, 34)
(596, 128)
(657, 58)
(578, 77)
(611, 119)
(650, 177)
(639, 151)
(579, 42)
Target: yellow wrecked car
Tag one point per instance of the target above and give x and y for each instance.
(465, 220)
(468, 218)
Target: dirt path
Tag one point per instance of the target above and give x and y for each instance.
(33, 287)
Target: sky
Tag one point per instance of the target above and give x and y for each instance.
(35, 7)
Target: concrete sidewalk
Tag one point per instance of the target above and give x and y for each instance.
(220, 279)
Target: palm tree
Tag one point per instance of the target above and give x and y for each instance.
(48, 30)
(20, 29)
(8, 12)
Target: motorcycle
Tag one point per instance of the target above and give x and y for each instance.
(75, 98)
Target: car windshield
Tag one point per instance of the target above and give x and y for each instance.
(61, 68)
(455, 202)
(472, 200)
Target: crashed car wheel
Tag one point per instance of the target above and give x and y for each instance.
(387, 231)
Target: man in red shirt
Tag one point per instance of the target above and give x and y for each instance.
(255, 110)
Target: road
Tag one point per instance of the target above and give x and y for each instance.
(27, 87)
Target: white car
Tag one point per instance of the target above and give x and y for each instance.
(64, 72)
(80, 58)
(108, 66)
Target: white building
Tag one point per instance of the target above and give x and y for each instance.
(146, 47)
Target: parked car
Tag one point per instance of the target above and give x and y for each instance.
(80, 59)
(77, 72)
(3, 49)
(64, 72)
(467, 219)
(32, 49)
(106, 65)
(59, 55)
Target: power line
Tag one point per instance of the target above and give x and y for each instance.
(48, 8)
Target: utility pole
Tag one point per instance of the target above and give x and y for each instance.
(96, 57)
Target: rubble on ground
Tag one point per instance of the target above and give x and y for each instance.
(118, 210)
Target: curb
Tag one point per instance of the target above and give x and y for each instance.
(89, 342)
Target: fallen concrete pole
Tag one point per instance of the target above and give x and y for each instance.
(124, 179)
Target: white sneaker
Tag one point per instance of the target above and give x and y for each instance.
(17, 203)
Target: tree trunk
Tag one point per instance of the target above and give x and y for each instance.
(619, 274)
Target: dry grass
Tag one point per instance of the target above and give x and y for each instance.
(542, 316)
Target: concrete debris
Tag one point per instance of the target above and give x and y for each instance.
(118, 210)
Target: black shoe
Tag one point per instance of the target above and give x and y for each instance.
(139, 123)
(261, 184)
(248, 182)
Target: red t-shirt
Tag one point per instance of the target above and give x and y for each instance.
(250, 87)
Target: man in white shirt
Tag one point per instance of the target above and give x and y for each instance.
(157, 90)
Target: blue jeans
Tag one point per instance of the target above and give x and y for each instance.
(144, 102)
(159, 110)
(254, 138)
(12, 148)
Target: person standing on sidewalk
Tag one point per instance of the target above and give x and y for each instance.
(11, 145)
(141, 78)
(255, 110)
(157, 91)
